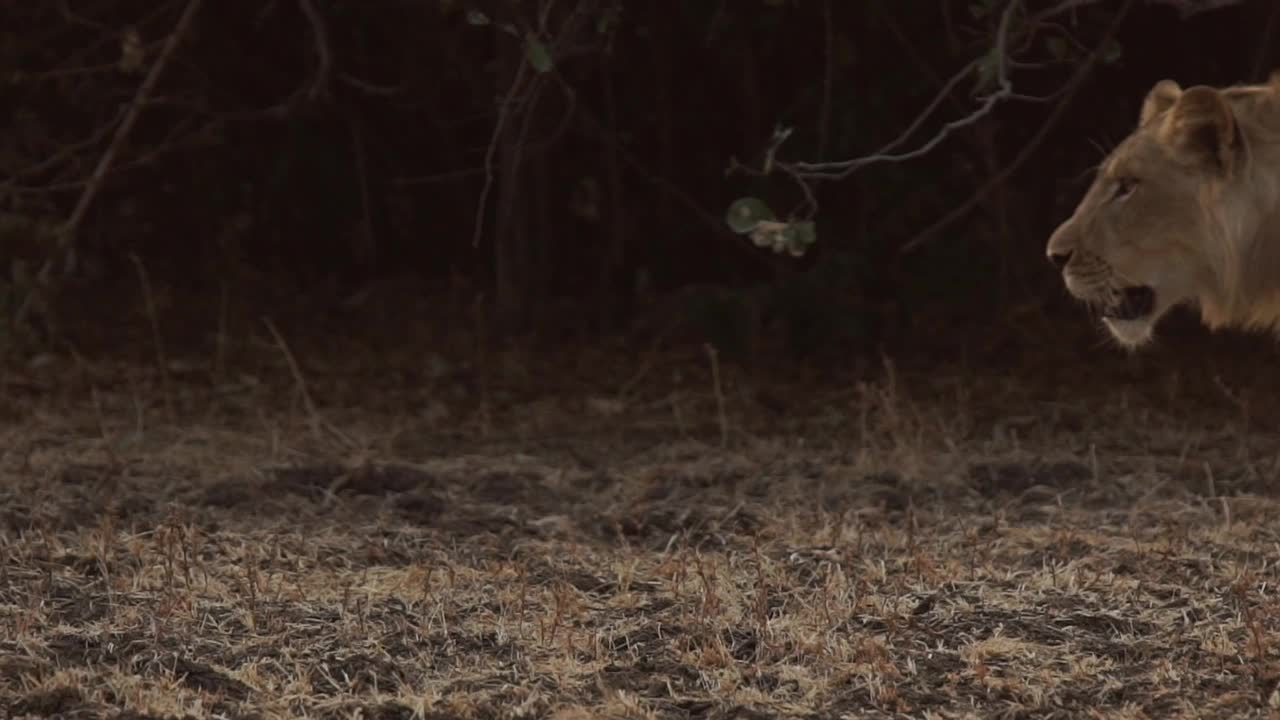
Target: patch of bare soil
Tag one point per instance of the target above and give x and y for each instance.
(959, 547)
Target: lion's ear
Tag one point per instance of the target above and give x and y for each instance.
(1201, 123)
(1160, 98)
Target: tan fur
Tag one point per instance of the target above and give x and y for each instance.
(1202, 223)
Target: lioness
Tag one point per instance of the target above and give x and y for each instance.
(1186, 210)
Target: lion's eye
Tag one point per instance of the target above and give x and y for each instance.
(1124, 188)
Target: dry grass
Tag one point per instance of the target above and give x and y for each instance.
(444, 547)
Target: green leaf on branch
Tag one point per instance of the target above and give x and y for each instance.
(798, 236)
(537, 53)
(746, 213)
(750, 216)
(768, 233)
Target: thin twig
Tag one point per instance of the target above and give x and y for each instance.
(556, 49)
(1068, 91)
(803, 172)
(66, 152)
(317, 421)
(1186, 8)
(504, 115)
(512, 161)
(312, 412)
(141, 159)
(126, 126)
(66, 233)
(320, 83)
(723, 417)
(154, 317)
(1004, 88)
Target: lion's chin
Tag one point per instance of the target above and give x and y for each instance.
(1131, 333)
(1131, 315)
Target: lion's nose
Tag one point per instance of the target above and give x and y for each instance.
(1060, 260)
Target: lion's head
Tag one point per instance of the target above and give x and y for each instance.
(1183, 211)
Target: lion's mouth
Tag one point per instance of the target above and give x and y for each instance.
(1131, 303)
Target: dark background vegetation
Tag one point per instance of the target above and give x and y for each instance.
(322, 163)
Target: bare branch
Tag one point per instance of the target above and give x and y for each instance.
(66, 233)
(556, 48)
(1077, 79)
(65, 11)
(491, 151)
(1185, 8)
(320, 82)
(842, 169)
(181, 130)
(1001, 54)
(65, 153)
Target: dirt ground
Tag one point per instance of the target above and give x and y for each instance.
(420, 540)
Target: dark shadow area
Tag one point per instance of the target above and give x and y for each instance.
(397, 173)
